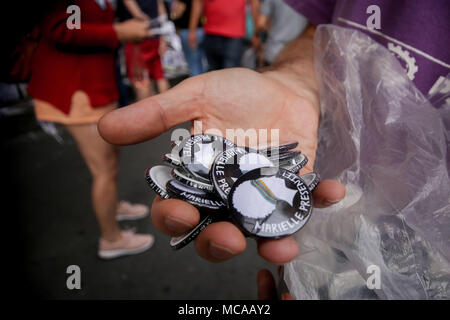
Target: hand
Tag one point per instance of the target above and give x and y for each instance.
(132, 30)
(192, 39)
(177, 9)
(256, 43)
(231, 98)
(162, 46)
(144, 17)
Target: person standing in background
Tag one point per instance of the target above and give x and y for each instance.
(73, 83)
(282, 24)
(224, 30)
(143, 60)
(180, 14)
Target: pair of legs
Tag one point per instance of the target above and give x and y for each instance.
(144, 66)
(223, 52)
(102, 161)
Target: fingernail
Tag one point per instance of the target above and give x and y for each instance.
(177, 226)
(220, 252)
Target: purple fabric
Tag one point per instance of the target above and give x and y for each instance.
(416, 31)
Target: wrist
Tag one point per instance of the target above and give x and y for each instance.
(294, 67)
(301, 82)
(118, 29)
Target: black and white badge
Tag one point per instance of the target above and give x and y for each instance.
(184, 177)
(286, 156)
(274, 150)
(295, 164)
(177, 243)
(197, 197)
(172, 159)
(311, 179)
(157, 178)
(229, 165)
(198, 152)
(270, 202)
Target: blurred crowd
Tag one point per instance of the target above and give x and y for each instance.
(169, 40)
(190, 37)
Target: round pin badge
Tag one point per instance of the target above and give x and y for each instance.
(177, 243)
(285, 157)
(196, 197)
(184, 177)
(311, 179)
(178, 142)
(157, 178)
(270, 202)
(172, 159)
(268, 151)
(294, 165)
(198, 152)
(229, 165)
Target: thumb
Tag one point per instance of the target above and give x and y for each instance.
(144, 23)
(327, 193)
(151, 117)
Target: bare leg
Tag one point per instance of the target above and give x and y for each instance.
(101, 158)
(143, 89)
(163, 85)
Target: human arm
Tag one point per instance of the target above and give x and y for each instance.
(161, 8)
(196, 13)
(255, 10)
(177, 9)
(163, 14)
(266, 11)
(135, 11)
(294, 66)
(92, 34)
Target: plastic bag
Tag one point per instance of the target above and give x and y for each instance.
(390, 237)
(173, 61)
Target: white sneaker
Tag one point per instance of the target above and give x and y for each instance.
(128, 244)
(129, 211)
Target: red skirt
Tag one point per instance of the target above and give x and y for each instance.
(143, 60)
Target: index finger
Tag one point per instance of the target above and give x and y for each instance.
(151, 117)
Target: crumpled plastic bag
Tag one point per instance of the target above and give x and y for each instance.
(173, 61)
(386, 143)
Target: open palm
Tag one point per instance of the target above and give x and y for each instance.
(226, 99)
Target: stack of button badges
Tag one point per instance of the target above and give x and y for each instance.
(258, 190)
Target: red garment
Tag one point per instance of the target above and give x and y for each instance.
(225, 18)
(144, 58)
(79, 59)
